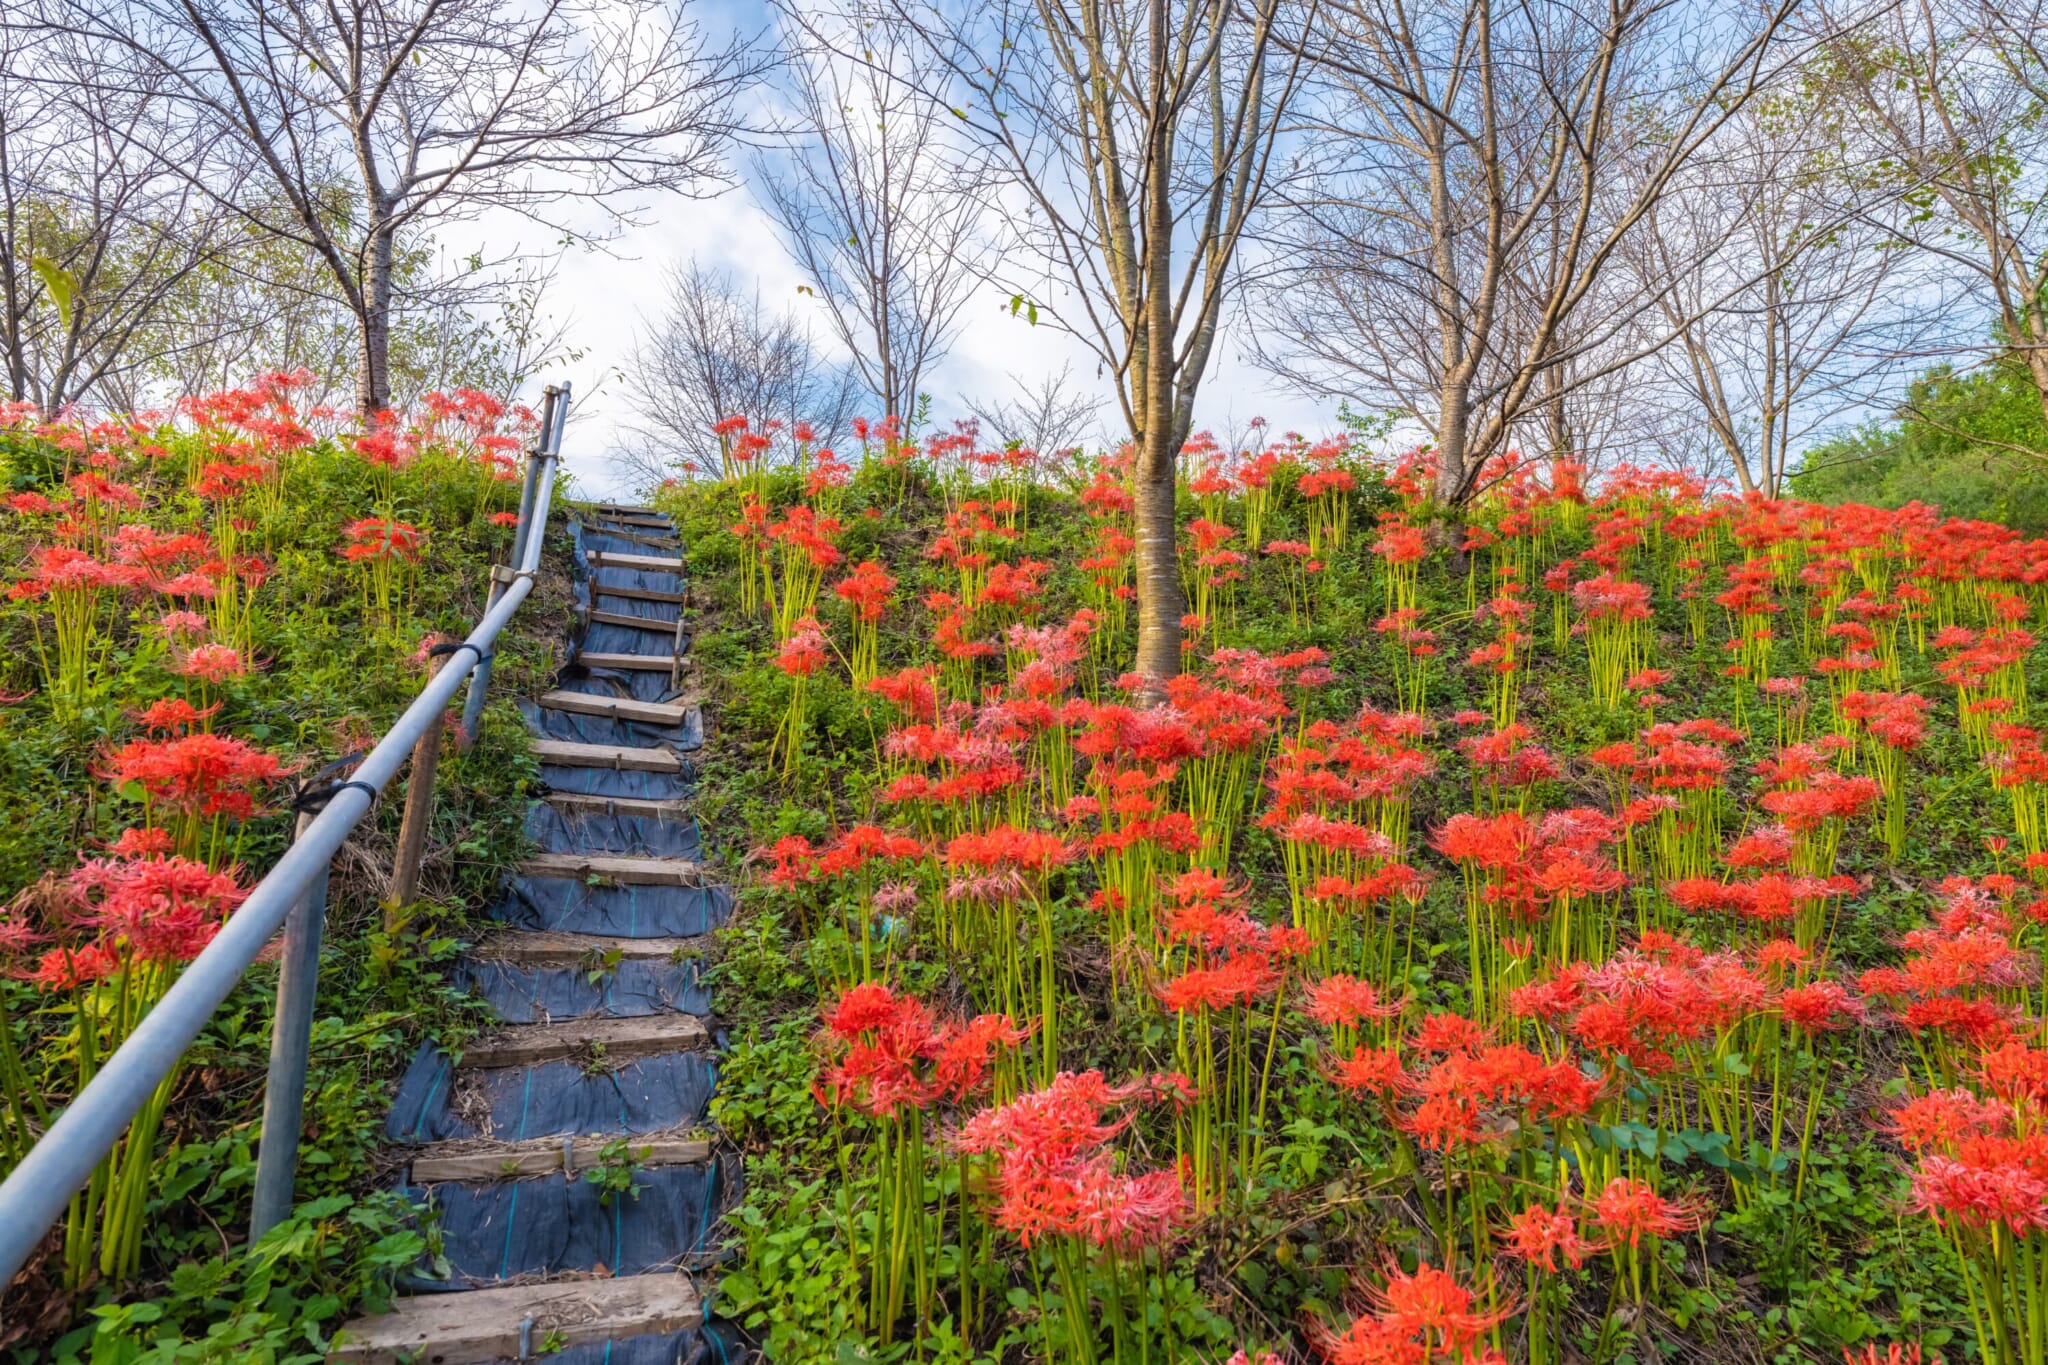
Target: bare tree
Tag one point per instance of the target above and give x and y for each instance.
(1946, 101)
(1475, 169)
(712, 353)
(1050, 417)
(872, 204)
(1131, 143)
(1798, 316)
(97, 239)
(387, 116)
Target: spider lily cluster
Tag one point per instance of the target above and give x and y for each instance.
(157, 552)
(1577, 996)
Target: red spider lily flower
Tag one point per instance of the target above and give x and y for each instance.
(65, 969)
(1375, 1071)
(865, 1007)
(211, 663)
(1418, 1319)
(1053, 1176)
(1628, 1210)
(198, 774)
(965, 1052)
(2015, 1073)
(1540, 1236)
(1996, 1185)
(912, 691)
(1446, 1032)
(173, 715)
(160, 908)
(142, 841)
(1238, 981)
(1820, 1007)
(866, 590)
(894, 1056)
(1345, 1001)
(1895, 1354)
(179, 623)
(805, 651)
(382, 538)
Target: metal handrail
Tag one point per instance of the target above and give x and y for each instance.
(35, 1193)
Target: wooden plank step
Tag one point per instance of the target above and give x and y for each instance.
(618, 708)
(642, 594)
(569, 754)
(620, 805)
(616, 1040)
(614, 867)
(607, 559)
(483, 1324)
(548, 947)
(646, 663)
(623, 509)
(632, 622)
(488, 1161)
(620, 529)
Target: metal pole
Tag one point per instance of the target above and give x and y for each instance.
(545, 446)
(291, 1038)
(540, 465)
(36, 1191)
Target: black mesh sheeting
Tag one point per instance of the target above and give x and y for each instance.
(712, 1344)
(633, 734)
(630, 540)
(438, 1102)
(552, 1224)
(655, 613)
(634, 782)
(564, 906)
(556, 830)
(640, 684)
(530, 993)
(604, 578)
(660, 643)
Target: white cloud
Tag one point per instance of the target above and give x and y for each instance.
(603, 295)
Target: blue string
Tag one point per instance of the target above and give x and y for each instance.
(511, 1221)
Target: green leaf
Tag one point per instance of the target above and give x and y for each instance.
(61, 283)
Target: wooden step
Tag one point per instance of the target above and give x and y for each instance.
(613, 867)
(569, 754)
(624, 509)
(632, 622)
(618, 708)
(547, 947)
(620, 805)
(641, 594)
(618, 530)
(615, 1040)
(485, 1161)
(646, 663)
(608, 559)
(483, 1324)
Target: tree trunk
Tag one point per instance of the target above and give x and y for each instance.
(1160, 604)
(2037, 363)
(1453, 416)
(373, 354)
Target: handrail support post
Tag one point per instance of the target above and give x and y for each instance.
(418, 817)
(291, 1041)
